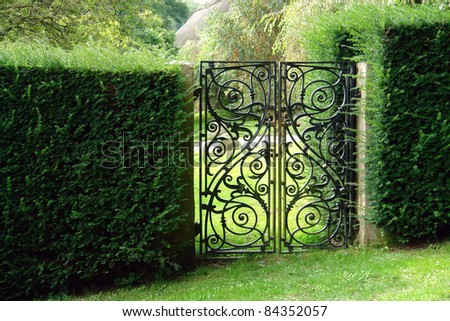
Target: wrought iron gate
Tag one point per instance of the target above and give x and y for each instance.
(276, 156)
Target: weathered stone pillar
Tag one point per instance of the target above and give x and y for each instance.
(368, 233)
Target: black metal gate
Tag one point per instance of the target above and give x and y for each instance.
(276, 156)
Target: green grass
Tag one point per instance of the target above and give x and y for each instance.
(347, 274)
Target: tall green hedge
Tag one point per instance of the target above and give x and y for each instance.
(412, 147)
(408, 109)
(81, 203)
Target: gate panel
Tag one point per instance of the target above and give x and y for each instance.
(276, 148)
(315, 154)
(236, 174)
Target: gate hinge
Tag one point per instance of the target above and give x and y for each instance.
(197, 92)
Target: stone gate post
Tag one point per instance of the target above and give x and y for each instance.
(368, 233)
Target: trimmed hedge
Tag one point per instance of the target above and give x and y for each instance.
(408, 110)
(412, 148)
(80, 203)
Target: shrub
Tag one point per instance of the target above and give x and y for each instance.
(80, 203)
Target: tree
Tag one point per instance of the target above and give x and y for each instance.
(241, 33)
(30, 18)
(66, 22)
(174, 12)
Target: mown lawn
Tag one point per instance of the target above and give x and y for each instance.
(348, 274)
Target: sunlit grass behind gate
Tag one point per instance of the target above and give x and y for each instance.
(303, 221)
(312, 233)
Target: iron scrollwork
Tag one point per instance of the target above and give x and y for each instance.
(274, 156)
(236, 137)
(315, 154)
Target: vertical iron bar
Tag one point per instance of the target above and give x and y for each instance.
(279, 158)
(283, 150)
(200, 168)
(273, 177)
(283, 103)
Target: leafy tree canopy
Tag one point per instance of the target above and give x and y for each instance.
(66, 22)
(269, 29)
(241, 33)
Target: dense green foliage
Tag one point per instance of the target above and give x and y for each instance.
(80, 201)
(136, 23)
(408, 109)
(268, 29)
(412, 176)
(242, 33)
